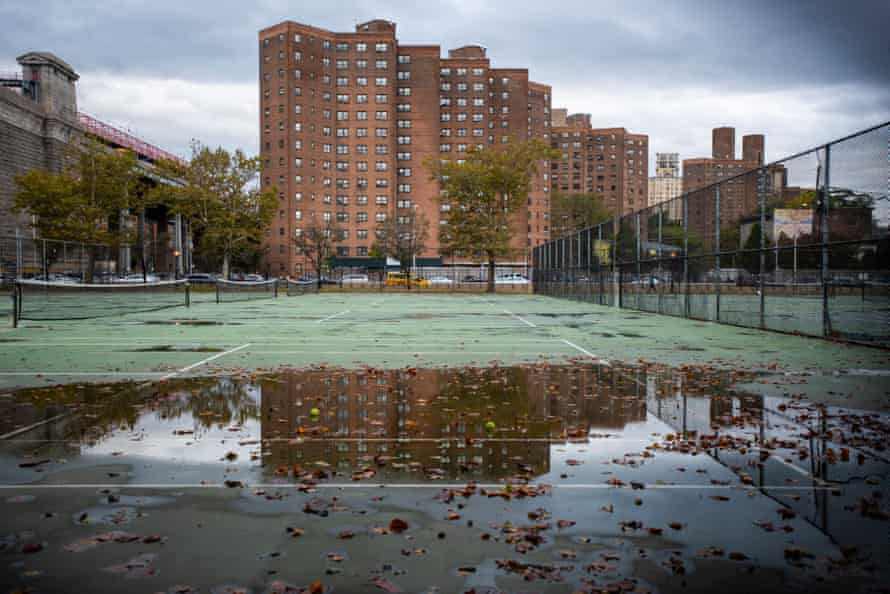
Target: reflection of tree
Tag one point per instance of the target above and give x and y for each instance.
(210, 402)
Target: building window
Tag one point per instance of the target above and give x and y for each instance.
(403, 59)
(381, 47)
(403, 107)
(404, 91)
(361, 47)
(381, 64)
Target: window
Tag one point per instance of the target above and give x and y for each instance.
(361, 47)
(299, 215)
(342, 217)
(342, 149)
(478, 72)
(462, 116)
(478, 102)
(298, 163)
(361, 149)
(403, 59)
(380, 217)
(404, 188)
(461, 72)
(361, 64)
(478, 117)
(462, 86)
(361, 98)
(298, 57)
(444, 71)
(404, 123)
(404, 171)
(445, 86)
(403, 75)
(361, 132)
(342, 116)
(382, 64)
(381, 47)
(342, 64)
(444, 148)
(361, 217)
(361, 199)
(404, 91)
(444, 102)
(403, 107)
(343, 184)
(362, 233)
(380, 166)
(381, 115)
(341, 46)
(342, 98)
(361, 115)
(326, 44)
(342, 81)
(326, 216)
(298, 109)
(298, 144)
(478, 132)
(403, 140)
(298, 92)
(403, 156)
(380, 81)
(381, 132)
(342, 132)
(445, 132)
(478, 86)
(342, 165)
(381, 149)
(461, 102)
(381, 200)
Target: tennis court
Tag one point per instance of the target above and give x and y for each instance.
(398, 442)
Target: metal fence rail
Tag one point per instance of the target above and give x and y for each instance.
(799, 245)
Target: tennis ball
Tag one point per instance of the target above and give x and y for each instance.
(489, 426)
(314, 412)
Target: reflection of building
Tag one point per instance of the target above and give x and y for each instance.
(610, 162)
(401, 422)
(667, 184)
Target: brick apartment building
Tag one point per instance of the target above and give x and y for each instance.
(348, 119)
(611, 162)
(739, 196)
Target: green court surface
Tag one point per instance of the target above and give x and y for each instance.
(397, 330)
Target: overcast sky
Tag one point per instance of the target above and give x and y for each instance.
(802, 72)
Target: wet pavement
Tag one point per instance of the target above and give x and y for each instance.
(526, 478)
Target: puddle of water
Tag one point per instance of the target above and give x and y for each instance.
(177, 348)
(556, 473)
(187, 323)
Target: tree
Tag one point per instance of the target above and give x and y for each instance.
(570, 213)
(402, 238)
(483, 193)
(85, 201)
(317, 243)
(221, 199)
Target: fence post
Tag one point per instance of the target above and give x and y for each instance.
(659, 290)
(616, 272)
(43, 263)
(826, 198)
(717, 250)
(686, 255)
(761, 198)
(18, 253)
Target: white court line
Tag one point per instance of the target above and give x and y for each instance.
(586, 352)
(205, 361)
(566, 441)
(332, 316)
(520, 318)
(430, 485)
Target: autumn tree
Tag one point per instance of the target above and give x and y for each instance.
(483, 193)
(219, 195)
(317, 242)
(86, 200)
(570, 213)
(402, 238)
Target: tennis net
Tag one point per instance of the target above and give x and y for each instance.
(227, 291)
(301, 287)
(47, 300)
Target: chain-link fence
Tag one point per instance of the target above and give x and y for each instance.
(800, 245)
(77, 262)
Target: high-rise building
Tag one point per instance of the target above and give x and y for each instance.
(667, 183)
(347, 121)
(611, 162)
(739, 194)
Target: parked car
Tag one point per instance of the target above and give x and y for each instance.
(253, 278)
(201, 278)
(471, 279)
(400, 279)
(137, 277)
(513, 278)
(308, 278)
(354, 279)
(440, 280)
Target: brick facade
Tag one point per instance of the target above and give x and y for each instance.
(347, 121)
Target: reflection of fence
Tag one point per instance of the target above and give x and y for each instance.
(800, 245)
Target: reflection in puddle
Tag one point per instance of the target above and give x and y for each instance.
(616, 458)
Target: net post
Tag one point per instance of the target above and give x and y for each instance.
(188, 295)
(15, 304)
(275, 288)
(217, 291)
